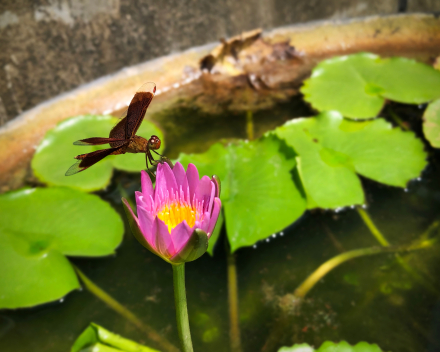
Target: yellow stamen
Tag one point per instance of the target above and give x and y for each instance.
(174, 213)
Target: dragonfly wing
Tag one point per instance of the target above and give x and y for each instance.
(97, 141)
(89, 159)
(138, 107)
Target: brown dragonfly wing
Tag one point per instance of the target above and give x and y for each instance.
(97, 141)
(89, 159)
(118, 132)
(128, 126)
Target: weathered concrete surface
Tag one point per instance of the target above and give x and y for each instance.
(423, 6)
(51, 46)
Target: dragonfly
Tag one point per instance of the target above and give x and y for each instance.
(122, 138)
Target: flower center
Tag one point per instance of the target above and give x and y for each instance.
(174, 213)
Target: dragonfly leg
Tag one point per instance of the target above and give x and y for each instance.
(156, 152)
(147, 159)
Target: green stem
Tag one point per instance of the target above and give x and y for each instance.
(181, 308)
(373, 229)
(334, 262)
(123, 311)
(402, 262)
(397, 119)
(234, 328)
(249, 125)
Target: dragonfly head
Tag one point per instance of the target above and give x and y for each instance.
(154, 142)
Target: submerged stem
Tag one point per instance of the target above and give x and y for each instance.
(334, 262)
(181, 308)
(234, 328)
(249, 125)
(397, 119)
(372, 227)
(125, 312)
(402, 262)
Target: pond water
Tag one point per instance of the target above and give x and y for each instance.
(369, 299)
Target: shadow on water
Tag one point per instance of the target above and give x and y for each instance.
(371, 299)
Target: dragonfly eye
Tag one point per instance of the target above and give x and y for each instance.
(154, 142)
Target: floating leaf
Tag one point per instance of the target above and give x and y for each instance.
(431, 123)
(259, 195)
(56, 153)
(357, 85)
(97, 339)
(304, 347)
(44, 225)
(329, 346)
(332, 150)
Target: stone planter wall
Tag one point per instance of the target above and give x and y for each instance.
(52, 46)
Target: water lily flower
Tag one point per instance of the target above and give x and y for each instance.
(176, 219)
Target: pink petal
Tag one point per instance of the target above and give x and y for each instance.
(192, 176)
(146, 225)
(214, 216)
(180, 235)
(142, 201)
(165, 181)
(131, 211)
(217, 184)
(180, 175)
(162, 238)
(211, 198)
(205, 222)
(139, 199)
(204, 191)
(147, 186)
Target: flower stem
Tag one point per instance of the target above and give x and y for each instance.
(234, 328)
(181, 308)
(123, 311)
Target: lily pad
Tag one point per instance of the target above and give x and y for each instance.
(41, 227)
(259, 195)
(357, 85)
(97, 339)
(56, 153)
(329, 346)
(332, 150)
(431, 123)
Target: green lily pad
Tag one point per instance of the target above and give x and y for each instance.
(303, 347)
(259, 195)
(329, 346)
(332, 150)
(97, 339)
(56, 153)
(357, 85)
(44, 225)
(431, 123)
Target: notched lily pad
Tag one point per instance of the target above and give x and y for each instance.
(431, 123)
(332, 150)
(259, 195)
(43, 226)
(56, 153)
(357, 85)
(329, 346)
